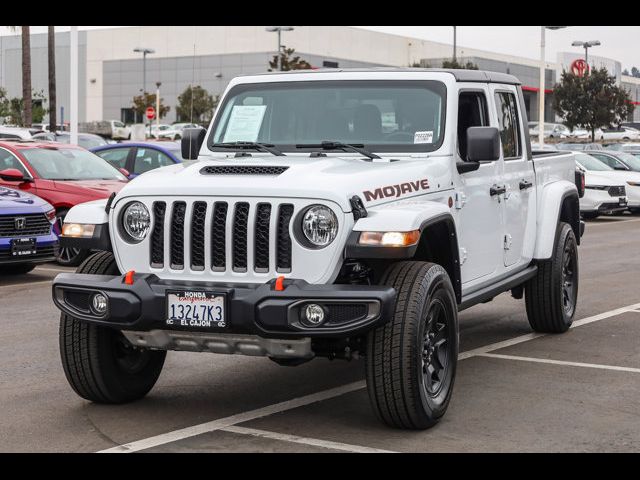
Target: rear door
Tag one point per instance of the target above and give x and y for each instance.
(518, 179)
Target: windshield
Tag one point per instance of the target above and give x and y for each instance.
(384, 116)
(592, 164)
(630, 159)
(70, 164)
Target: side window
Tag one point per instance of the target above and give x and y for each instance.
(472, 112)
(148, 159)
(508, 125)
(606, 160)
(8, 160)
(116, 157)
(10, 136)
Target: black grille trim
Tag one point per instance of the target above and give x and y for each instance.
(619, 191)
(283, 261)
(177, 235)
(157, 235)
(35, 225)
(198, 218)
(261, 243)
(219, 237)
(242, 170)
(339, 313)
(240, 223)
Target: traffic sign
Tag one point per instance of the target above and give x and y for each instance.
(150, 113)
(579, 67)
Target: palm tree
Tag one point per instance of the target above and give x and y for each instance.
(52, 78)
(27, 117)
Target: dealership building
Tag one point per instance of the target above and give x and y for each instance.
(111, 73)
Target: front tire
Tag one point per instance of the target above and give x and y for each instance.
(99, 362)
(551, 296)
(411, 361)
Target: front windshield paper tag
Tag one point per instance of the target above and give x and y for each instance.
(244, 123)
(423, 137)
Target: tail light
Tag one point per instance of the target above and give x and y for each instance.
(580, 182)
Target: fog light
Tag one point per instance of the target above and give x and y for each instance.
(99, 304)
(313, 315)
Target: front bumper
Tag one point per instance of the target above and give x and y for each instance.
(250, 310)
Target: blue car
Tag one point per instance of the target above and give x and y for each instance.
(139, 157)
(27, 232)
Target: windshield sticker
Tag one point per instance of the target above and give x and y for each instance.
(423, 137)
(244, 123)
(396, 191)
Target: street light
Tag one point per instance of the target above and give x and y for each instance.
(541, 92)
(279, 30)
(158, 85)
(586, 46)
(455, 60)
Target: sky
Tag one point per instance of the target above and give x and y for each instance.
(618, 42)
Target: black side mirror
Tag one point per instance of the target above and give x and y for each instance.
(483, 144)
(192, 140)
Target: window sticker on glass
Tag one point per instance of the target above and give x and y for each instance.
(423, 137)
(244, 123)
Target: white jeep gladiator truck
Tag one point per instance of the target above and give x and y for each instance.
(338, 214)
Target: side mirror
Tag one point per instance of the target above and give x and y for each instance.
(12, 175)
(125, 172)
(192, 140)
(483, 144)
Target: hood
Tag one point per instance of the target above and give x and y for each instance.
(618, 177)
(335, 178)
(596, 178)
(98, 188)
(16, 200)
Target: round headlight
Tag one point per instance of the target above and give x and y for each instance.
(136, 221)
(320, 225)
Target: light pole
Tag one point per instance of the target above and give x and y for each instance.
(145, 52)
(586, 46)
(158, 85)
(541, 92)
(279, 30)
(454, 44)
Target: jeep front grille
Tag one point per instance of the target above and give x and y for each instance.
(250, 231)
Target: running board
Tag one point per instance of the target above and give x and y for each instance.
(502, 286)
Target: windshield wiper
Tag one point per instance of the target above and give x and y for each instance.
(261, 147)
(346, 147)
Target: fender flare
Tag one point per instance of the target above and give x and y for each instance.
(549, 210)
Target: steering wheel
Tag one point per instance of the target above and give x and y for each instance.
(399, 136)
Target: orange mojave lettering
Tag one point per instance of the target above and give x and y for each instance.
(395, 191)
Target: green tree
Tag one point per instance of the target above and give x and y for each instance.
(591, 101)
(5, 104)
(17, 106)
(200, 109)
(140, 104)
(288, 61)
(460, 66)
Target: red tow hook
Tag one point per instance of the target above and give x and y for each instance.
(128, 278)
(279, 286)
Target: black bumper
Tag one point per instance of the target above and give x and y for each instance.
(258, 310)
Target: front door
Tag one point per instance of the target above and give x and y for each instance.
(480, 213)
(518, 179)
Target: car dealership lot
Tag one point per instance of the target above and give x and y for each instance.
(575, 392)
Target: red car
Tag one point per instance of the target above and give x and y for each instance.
(62, 174)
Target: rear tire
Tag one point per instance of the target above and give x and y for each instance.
(99, 362)
(551, 296)
(411, 361)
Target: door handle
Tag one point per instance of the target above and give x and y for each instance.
(496, 190)
(525, 184)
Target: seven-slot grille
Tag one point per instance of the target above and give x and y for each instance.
(24, 225)
(618, 191)
(221, 236)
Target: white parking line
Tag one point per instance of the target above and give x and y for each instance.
(234, 419)
(29, 284)
(560, 362)
(227, 422)
(611, 222)
(59, 270)
(304, 440)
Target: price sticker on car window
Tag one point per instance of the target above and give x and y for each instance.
(244, 123)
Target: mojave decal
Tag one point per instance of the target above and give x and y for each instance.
(396, 191)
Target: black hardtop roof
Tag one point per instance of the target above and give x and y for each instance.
(461, 75)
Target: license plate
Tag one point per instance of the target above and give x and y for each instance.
(22, 247)
(195, 310)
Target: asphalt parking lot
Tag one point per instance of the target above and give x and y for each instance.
(515, 390)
